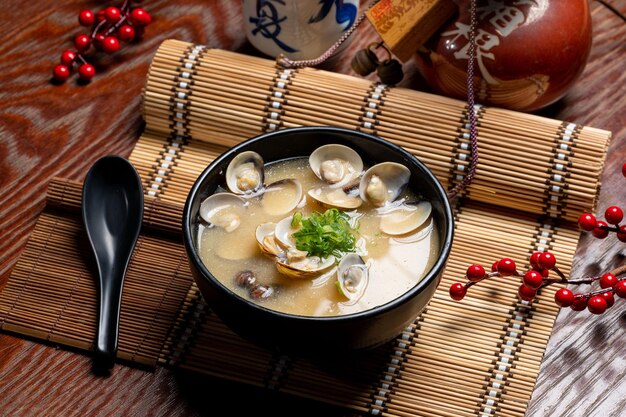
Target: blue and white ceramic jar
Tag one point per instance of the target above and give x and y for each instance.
(299, 29)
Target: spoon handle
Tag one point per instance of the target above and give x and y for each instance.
(111, 283)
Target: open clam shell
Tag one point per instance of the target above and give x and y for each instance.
(383, 183)
(281, 197)
(335, 197)
(335, 164)
(266, 239)
(283, 232)
(245, 173)
(223, 210)
(352, 276)
(418, 234)
(302, 267)
(405, 218)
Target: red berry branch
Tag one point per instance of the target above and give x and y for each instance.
(542, 263)
(601, 229)
(109, 26)
(539, 277)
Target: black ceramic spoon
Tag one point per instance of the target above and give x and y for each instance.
(112, 215)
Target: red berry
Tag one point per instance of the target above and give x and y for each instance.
(61, 72)
(99, 38)
(544, 272)
(86, 18)
(533, 279)
(140, 17)
(608, 280)
(126, 33)
(580, 303)
(494, 267)
(614, 215)
(457, 291)
(600, 233)
(82, 42)
(68, 57)
(86, 71)
(564, 297)
(621, 235)
(525, 293)
(587, 222)
(475, 272)
(110, 44)
(534, 258)
(100, 16)
(506, 267)
(608, 297)
(546, 260)
(620, 288)
(596, 305)
(112, 14)
(624, 169)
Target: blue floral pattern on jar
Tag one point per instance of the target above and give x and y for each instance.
(267, 21)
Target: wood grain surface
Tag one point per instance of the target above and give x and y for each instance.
(48, 130)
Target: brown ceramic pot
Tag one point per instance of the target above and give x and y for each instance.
(529, 52)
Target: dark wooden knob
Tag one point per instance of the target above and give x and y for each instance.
(390, 72)
(364, 62)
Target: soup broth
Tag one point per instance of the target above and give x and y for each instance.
(394, 263)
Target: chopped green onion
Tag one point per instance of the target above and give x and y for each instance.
(324, 234)
(296, 219)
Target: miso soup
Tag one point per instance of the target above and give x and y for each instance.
(308, 243)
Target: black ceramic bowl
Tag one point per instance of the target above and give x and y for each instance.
(302, 334)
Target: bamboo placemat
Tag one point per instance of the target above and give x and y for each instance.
(478, 357)
(527, 162)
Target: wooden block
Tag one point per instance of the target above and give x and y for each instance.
(404, 25)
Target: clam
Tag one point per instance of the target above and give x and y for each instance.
(296, 264)
(245, 279)
(261, 292)
(283, 232)
(245, 174)
(416, 235)
(405, 218)
(281, 197)
(223, 210)
(383, 183)
(293, 262)
(352, 276)
(266, 239)
(335, 197)
(336, 164)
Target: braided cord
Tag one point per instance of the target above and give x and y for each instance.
(471, 113)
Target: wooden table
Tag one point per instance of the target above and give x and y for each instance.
(49, 130)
